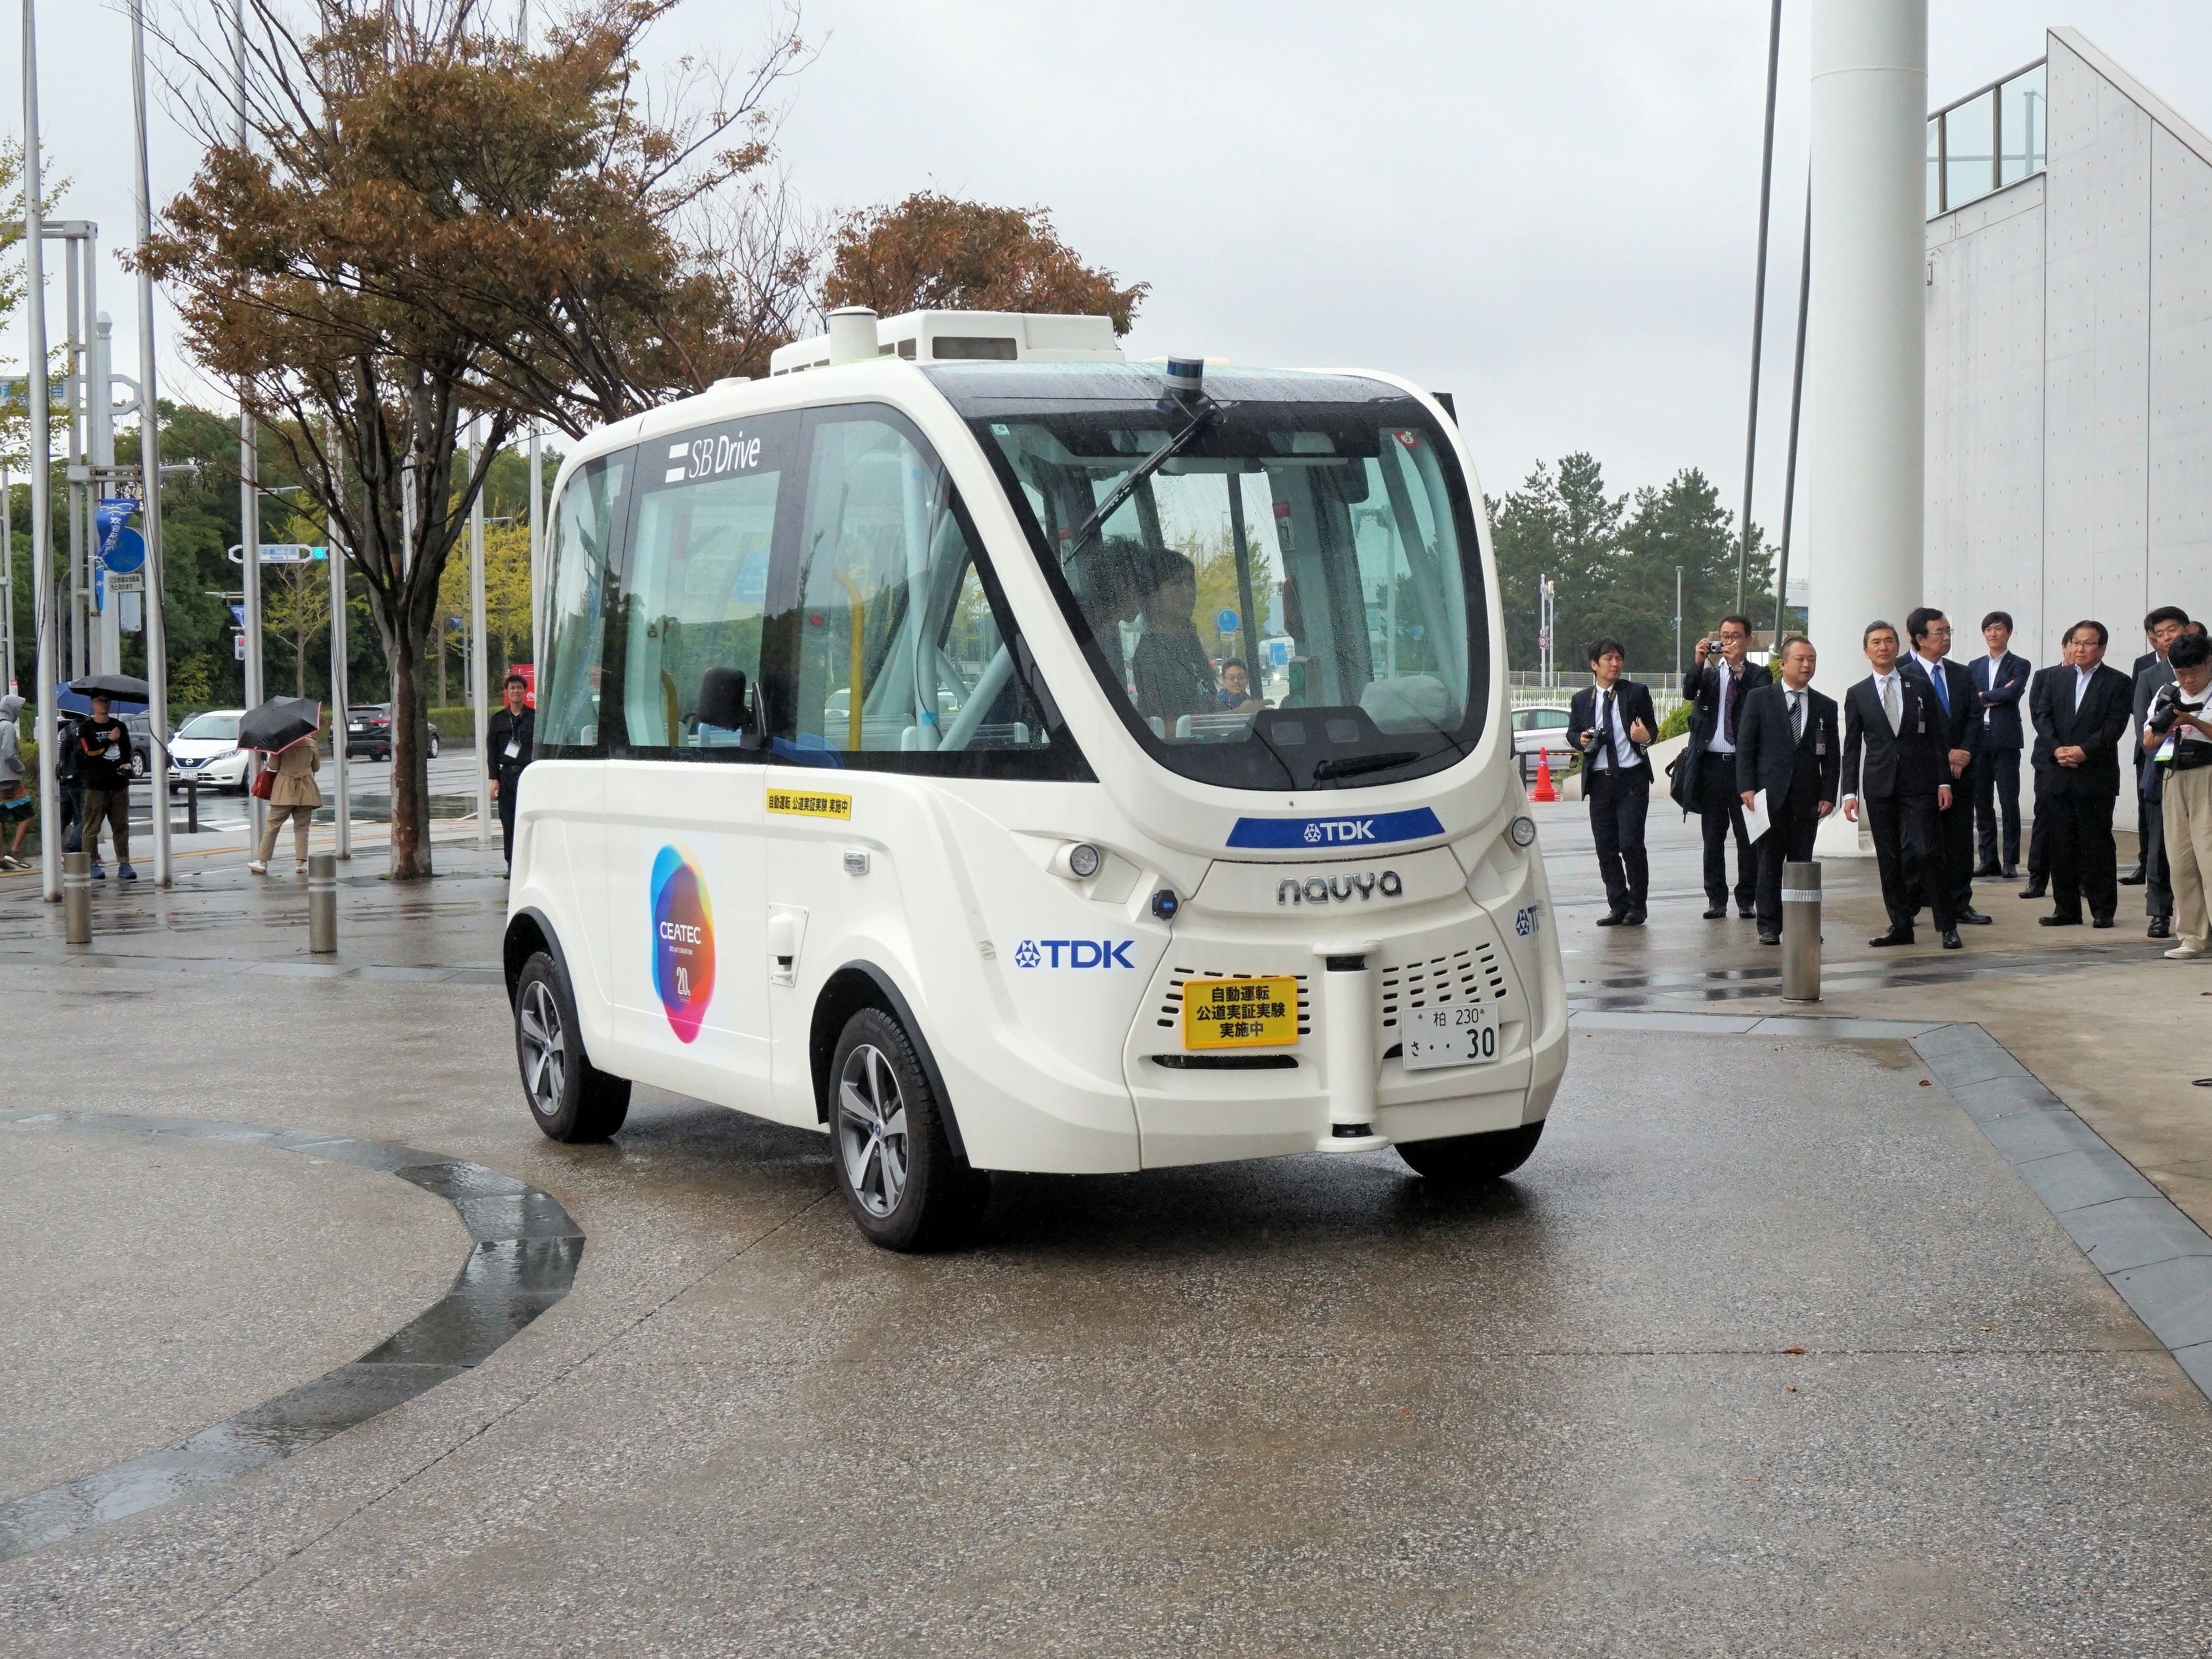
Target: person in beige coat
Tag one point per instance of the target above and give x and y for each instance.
(293, 795)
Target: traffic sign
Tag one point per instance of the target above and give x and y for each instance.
(283, 553)
(125, 552)
(1226, 621)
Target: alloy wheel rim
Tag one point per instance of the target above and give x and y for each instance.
(544, 1060)
(871, 1129)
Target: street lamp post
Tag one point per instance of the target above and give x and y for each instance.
(479, 657)
(41, 458)
(150, 468)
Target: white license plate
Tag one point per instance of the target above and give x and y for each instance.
(1457, 1034)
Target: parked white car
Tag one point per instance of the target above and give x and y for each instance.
(206, 748)
(1541, 728)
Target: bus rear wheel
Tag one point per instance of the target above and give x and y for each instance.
(906, 1187)
(572, 1099)
(1471, 1160)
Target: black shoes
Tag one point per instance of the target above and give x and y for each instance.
(2133, 879)
(2011, 873)
(2160, 928)
(1633, 918)
(1894, 936)
(2034, 890)
(1973, 918)
(1952, 941)
(2101, 921)
(1746, 912)
(2058, 921)
(1612, 918)
(1717, 912)
(1766, 938)
(1989, 873)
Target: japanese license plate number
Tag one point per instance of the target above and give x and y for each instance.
(1240, 1013)
(1457, 1034)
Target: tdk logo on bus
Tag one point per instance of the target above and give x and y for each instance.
(1074, 953)
(1374, 830)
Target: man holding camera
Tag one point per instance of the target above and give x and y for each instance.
(1611, 721)
(1715, 687)
(1791, 751)
(2161, 628)
(2177, 741)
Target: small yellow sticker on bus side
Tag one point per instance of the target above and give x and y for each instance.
(1240, 1013)
(810, 804)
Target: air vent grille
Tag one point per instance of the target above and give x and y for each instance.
(1460, 976)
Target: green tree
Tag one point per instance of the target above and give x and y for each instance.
(1560, 524)
(1683, 522)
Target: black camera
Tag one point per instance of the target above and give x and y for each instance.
(2165, 709)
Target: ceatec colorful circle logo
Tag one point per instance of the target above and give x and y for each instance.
(683, 942)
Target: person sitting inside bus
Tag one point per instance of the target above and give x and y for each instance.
(1174, 675)
(1237, 696)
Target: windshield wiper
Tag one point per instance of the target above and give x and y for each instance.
(1347, 766)
(1183, 376)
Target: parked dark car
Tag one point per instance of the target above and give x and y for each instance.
(368, 733)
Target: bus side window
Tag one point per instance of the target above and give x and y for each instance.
(587, 516)
(696, 576)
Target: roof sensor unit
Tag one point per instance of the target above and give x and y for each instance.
(1184, 386)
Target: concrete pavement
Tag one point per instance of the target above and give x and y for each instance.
(1770, 1349)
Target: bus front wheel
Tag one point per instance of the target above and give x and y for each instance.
(572, 1099)
(1470, 1160)
(907, 1188)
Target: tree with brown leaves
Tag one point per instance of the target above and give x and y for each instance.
(432, 224)
(932, 252)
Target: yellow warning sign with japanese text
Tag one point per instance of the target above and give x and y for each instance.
(808, 804)
(1240, 1013)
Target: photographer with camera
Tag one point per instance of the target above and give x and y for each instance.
(1612, 722)
(2177, 746)
(1715, 687)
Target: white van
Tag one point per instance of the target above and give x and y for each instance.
(893, 778)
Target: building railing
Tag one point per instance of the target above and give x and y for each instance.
(1995, 136)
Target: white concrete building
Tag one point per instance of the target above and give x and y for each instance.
(2070, 354)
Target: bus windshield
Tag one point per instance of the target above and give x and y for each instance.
(1294, 601)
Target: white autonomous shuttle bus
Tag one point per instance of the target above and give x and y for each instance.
(896, 775)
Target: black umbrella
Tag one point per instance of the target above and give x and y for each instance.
(280, 723)
(118, 688)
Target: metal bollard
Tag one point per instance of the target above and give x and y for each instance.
(1801, 931)
(322, 904)
(77, 897)
(192, 806)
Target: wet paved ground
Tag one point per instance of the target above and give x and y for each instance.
(1302, 1406)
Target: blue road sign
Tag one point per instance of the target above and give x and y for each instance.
(124, 552)
(1226, 621)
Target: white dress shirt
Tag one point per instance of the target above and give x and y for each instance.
(2082, 679)
(1721, 744)
(1605, 707)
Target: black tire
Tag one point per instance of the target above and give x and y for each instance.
(907, 1189)
(572, 1099)
(1472, 1160)
(434, 745)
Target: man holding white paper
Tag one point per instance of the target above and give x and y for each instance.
(1788, 757)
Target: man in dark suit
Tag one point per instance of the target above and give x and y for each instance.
(2080, 709)
(1612, 722)
(2160, 625)
(2000, 681)
(1788, 746)
(1930, 630)
(1892, 718)
(1715, 687)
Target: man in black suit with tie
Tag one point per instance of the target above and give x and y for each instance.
(1715, 687)
(1892, 718)
(1788, 745)
(1929, 631)
(2000, 681)
(1612, 722)
(2161, 626)
(2080, 709)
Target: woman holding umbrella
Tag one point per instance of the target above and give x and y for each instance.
(284, 729)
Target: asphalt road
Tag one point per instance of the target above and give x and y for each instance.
(1766, 1351)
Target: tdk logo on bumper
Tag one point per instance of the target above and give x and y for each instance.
(1074, 953)
(1372, 830)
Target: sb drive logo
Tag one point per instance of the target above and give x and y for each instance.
(1337, 832)
(1074, 953)
(683, 943)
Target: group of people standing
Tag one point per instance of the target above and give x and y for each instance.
(1927, 751)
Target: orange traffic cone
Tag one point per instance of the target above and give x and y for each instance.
(1544, 790)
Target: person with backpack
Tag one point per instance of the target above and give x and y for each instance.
(16, 805)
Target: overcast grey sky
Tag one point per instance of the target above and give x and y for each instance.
(1549, 210)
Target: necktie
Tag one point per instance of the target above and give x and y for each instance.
(1797, 715)
(1727, 708)
(1604, 757)
(1941, 681)
(1891, 706)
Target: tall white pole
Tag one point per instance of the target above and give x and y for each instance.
(149, 465)
(249, 500)
(73, 387)
(7, 587)
(340, 698)
(41, 457)
(479, 657)
(1865, 385)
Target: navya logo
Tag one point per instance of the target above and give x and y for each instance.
(1371, 830)
(1320, 889)
(683, 943)
(1074, 953)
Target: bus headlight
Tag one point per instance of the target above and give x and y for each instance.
(1083, 860)
(1524, 832)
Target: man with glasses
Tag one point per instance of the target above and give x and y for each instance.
(1715, 687)
(1611, 721)
(1953, 687)
(2082, 709)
